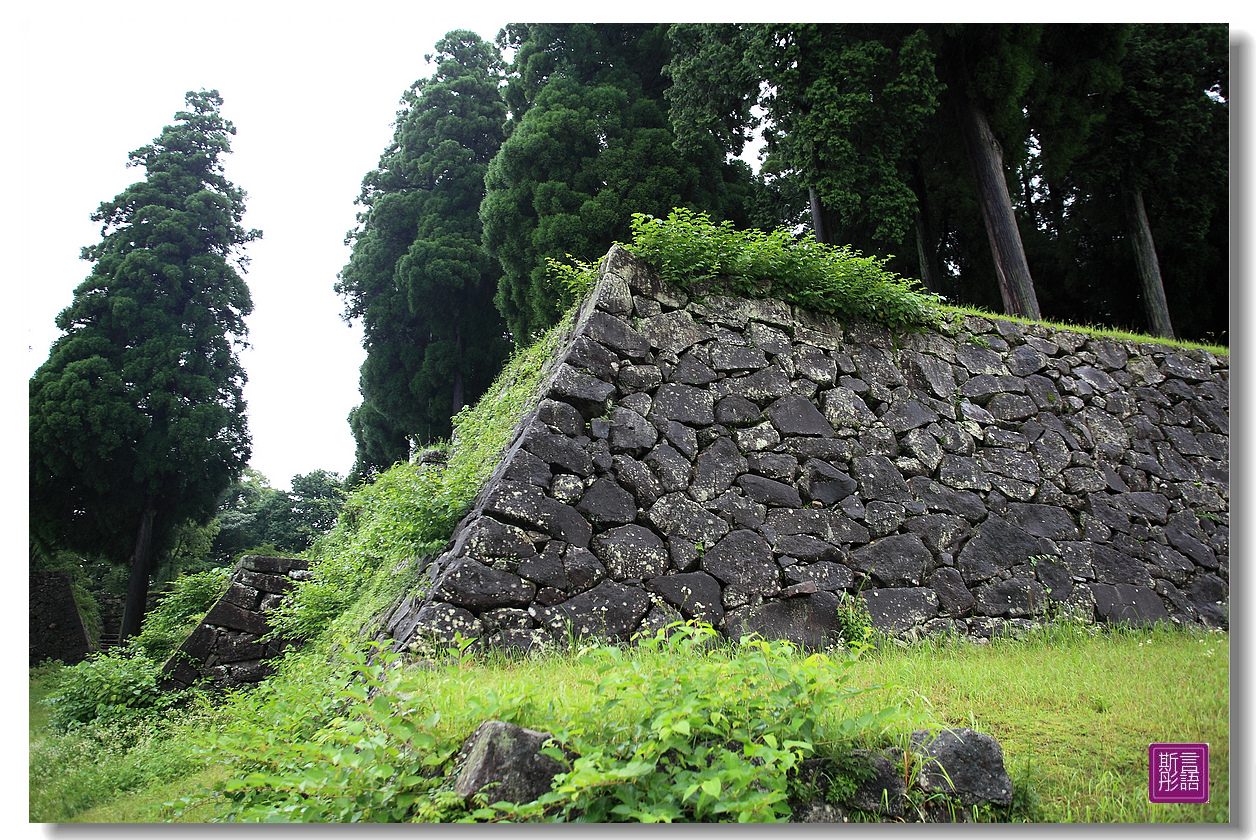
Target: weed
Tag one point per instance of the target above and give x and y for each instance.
(690, 251)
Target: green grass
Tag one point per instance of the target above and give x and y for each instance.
(1078, 712)
(1089, 329)
(1074, 713)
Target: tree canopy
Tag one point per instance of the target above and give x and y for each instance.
(588, 144)
(137, 418)
(1000, 162)
(418, 277)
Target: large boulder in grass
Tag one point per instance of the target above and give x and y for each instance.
(962, 764)
(504, 762)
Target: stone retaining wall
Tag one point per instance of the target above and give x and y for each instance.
(225, 649)
(746, 463)
(56, 627)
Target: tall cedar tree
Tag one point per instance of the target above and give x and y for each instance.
(418, 277)
(137, 419)
(588, 145)
(998, 146)
(1158, 160)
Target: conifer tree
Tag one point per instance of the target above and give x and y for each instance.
(588, 145)
(418, 277)
(137, 418)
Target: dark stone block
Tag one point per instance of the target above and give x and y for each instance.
(673, 469)
(588, 355)
(683, 404)
(609, 610)
(998, 545)
(717, 466)
(1210, 595)
(1054, 523)
(879, 479)
(805, 548)
(559, 451)
(937, 497)
(963, 764)
(546, 569)
(278, 584)
(233, 618)
(606, 503)
(696, 594)
(898, 610)
(809, 621)
(769, 492)
(637, 477)
(796, 415)
(744, 559)
(824, 574)
(486, 538)
(587, 394)
(231, 648)
(631, 551)
(468, 583)
(677, 516)
(582, 568)
(506, 763)
(898, 560)
(1127, 604)
(1013, 598)
(616, 334)
(737, 411)
(561, 417)
(244, 597)
(630, 432)
(953, 597)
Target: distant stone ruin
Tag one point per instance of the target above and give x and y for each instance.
(226, 650)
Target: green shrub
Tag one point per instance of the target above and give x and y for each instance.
(854, 622)
(119, 684)
(691, 252)
(179, 610)
(717, 739)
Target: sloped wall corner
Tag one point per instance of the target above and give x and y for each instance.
(745, 463)
(226, 650)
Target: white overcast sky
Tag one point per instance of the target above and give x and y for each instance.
(312, 90)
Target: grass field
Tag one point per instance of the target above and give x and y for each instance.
(1073, 710)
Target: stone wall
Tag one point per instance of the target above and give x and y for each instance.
(746, 463)
(226, 648)
(56, 627)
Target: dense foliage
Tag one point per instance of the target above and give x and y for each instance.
(418, 277)
(255, 518)
(137, 417)
(588, 144)
(654, 743)
(1002, 163)
(688, 249)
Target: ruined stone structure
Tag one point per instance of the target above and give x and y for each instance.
(745, 463)
(226, 648)
(57, 630)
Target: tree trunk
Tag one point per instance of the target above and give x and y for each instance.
(137, 589)
(1148, 265)
(985, 157)
(817, 217)
(458, 392)
(927, 275)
